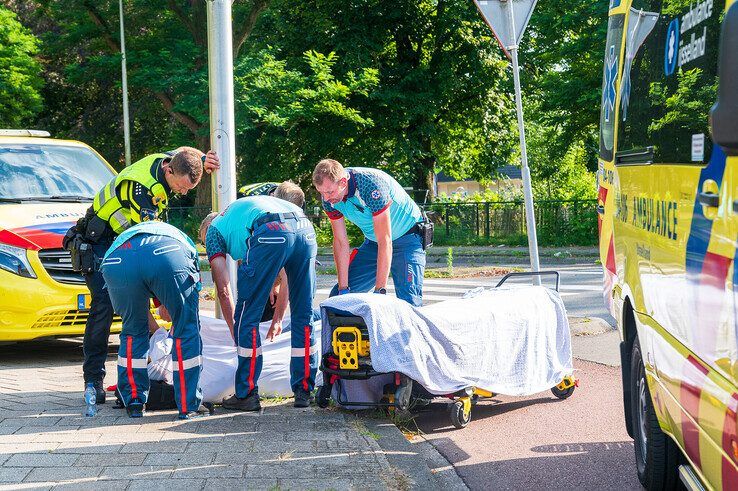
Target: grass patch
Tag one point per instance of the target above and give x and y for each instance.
(361, 429)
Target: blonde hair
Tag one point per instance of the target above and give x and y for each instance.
(328, 169)
(289, 191)
(205, 224)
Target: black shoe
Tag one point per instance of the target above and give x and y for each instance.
(99, 392)
(303, 398)
(135, 409)
(205, 409)
(249, 403)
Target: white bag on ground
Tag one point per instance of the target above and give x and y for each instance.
(219, 360)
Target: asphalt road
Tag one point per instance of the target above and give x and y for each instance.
(541, 442)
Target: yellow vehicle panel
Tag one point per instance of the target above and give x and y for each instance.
(50, 300)
(669, 228)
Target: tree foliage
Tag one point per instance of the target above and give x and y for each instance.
(410, 86)
(20, 83)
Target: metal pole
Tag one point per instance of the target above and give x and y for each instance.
(222, 120)
(124, 75)
(527, 191)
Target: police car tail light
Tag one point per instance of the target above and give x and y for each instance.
(15, 260)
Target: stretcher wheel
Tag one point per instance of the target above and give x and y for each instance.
(460, 416)
(563, 394)
(324, 395)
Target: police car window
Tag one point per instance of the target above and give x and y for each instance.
(609, 83)
(36, 170)
(672, 82)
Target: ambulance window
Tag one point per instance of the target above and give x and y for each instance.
(669, 83)
(609, 83)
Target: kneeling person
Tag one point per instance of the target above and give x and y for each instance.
(156, 259)
(265, 234)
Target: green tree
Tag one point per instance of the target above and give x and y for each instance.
(20, 83)
(441, 102)
(562, 75)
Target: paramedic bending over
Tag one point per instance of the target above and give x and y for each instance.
(389, 219)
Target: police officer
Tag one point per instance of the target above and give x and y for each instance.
(140, 192)
(265, 234)
(391, 223)
(155, 258)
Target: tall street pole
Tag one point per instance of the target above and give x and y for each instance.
(222, 119)
(124, 75)
(527, 190)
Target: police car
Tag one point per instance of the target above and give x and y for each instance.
(668, 206)
(45, 186)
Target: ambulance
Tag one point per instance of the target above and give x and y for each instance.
(668, 218)
(45, 186)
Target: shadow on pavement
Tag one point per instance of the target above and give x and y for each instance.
(566, 466)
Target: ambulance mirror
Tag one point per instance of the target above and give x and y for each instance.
(724, 114)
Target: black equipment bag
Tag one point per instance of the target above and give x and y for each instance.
(161, 396)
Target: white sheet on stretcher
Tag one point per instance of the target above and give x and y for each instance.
(512, 341)
(219, 360)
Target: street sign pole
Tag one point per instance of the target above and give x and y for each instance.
(500, 16)
(124, 77)
(527, 190)
(222, 120)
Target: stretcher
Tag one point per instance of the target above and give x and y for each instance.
(349, 359)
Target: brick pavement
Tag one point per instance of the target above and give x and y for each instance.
(46, 442)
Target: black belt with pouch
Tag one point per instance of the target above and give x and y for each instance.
(425, 230)
(79, 240)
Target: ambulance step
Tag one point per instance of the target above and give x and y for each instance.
(689, 478)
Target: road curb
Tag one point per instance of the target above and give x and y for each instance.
(589, 326)
(418, 460)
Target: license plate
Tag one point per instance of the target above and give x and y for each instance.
(83, 301)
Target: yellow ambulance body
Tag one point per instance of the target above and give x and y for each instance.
(668, 206)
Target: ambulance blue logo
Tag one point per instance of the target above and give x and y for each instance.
(611, 76)
(614, 3)
(671, 50)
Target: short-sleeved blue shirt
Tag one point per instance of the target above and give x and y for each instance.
(231, 229)
(370, 192)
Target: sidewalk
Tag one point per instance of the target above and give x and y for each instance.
(46, 443)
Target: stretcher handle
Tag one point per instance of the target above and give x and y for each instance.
(532, 273)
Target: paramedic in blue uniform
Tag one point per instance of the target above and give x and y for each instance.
(389, 219)
(155, 259)
(264, 235)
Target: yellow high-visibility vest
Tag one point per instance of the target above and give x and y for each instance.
(107, 204)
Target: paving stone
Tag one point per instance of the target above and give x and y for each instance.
(61, 474)
(208, 471)
(94, 485)
(214, 447)
(41, 460)
(312, 484)
(86, 448)
(136, 472)
(156, 447)
(14, 448)
(92, 459)
(167, 485)
(179, 459)
(14, 474)
(242, 483)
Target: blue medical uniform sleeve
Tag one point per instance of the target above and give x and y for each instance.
(375, 192)
(332, 213)
(215, 244)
